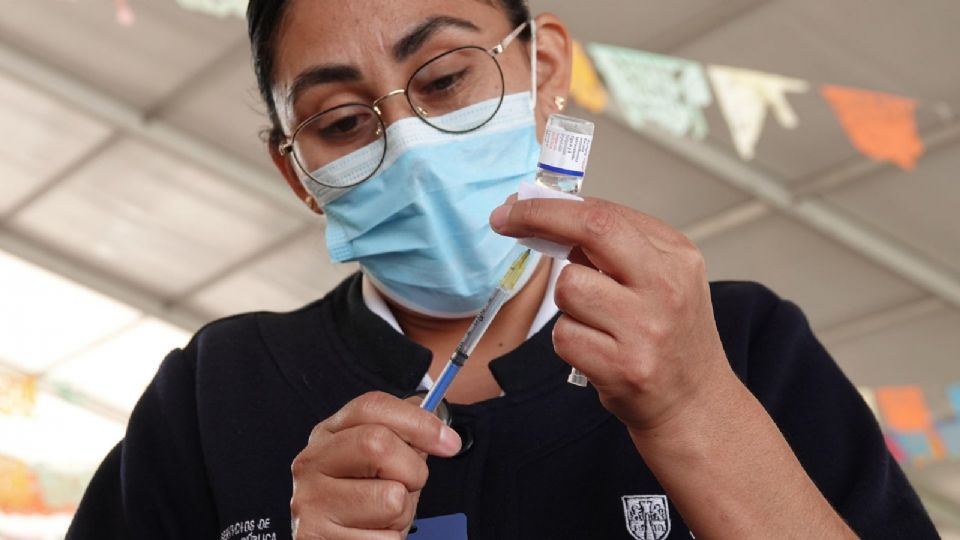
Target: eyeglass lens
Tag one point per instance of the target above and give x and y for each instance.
(457, 92)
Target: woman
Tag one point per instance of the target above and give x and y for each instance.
(713, 411)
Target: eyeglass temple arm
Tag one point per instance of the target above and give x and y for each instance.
(499, 48)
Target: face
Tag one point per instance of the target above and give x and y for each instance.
(331, 53)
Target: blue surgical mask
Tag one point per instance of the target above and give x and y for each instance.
(419, 227)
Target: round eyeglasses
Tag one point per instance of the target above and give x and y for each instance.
(334, 147)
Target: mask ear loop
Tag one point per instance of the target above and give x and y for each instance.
(533, 65)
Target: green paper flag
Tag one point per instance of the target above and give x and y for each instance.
(654, 89)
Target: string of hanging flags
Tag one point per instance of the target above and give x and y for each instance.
(920, 425)
(672, 93)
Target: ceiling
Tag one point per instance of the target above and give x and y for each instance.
(135, 184)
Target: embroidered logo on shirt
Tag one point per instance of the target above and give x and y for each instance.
(647, 516)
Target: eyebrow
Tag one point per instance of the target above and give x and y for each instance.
(411, 43)
(324, 74)
(405, 47)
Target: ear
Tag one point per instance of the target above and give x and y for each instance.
(554, 66)
(285, 165)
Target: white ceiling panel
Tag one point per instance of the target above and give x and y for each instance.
(285, 280)
(922, 350)
(625, 169)
(139, 64)
(45, 318)
(889, 36)
(831, 284)
(58, 433)
(919, 209)
(152, 219)
(855, 49)
(116, 371)
(39, 526)
(39, 139)
(635, 24)
(226, 110)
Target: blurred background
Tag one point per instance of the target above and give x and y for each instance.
(807, 144)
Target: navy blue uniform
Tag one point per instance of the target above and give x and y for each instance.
(208, 449)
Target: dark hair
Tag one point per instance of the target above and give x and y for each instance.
(263, 20)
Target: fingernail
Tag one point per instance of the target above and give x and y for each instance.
(499, 216)
(449, 441)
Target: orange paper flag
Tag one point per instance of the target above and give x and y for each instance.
(903, 408)
(881, 126)
(19, 492)
(585, 86)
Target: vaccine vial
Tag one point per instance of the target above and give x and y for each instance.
(564, 153)
(563, 162)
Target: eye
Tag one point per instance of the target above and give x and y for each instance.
(446, 82)
(340, 126)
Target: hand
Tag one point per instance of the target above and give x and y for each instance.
(362, 470)
(642, 327)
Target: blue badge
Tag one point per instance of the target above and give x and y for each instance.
(451, 527)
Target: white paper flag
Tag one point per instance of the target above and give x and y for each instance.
(651, 88)
(744, 96)
(219, 8)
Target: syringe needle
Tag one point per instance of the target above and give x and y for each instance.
(476, 330)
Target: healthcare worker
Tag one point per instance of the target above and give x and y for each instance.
(713, 412)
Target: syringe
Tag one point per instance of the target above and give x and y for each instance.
(477, 328)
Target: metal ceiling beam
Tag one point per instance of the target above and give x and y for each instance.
(106, 108)
(50, 183)
(879, 321)
(200, 77)
(814, 212)
(938, 137)
(80, 399)
(149, 303)
(703, 22)
(725, 220)
(858, 168)
(247, 261)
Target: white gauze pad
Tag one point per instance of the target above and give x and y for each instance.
(548, 248)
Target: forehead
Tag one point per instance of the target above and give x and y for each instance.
(354, 31)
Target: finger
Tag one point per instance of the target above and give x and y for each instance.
(326, 529)
(414, 425)
(583, 347)
(372, 451)
(370, 504)
(335, 531)
(342, 533)
(594, 299)
(599, 228)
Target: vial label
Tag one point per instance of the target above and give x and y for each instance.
(564, 152)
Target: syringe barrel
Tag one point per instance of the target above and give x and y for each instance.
(482, 321)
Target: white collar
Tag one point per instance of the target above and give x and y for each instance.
(375, 303)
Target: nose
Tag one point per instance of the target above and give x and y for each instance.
(398, 111)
